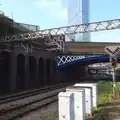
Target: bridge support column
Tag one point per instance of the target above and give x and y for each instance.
(13, 72)
(54, 69)
(51, 72)
(45, 74)
(37, 72)
(27, 72)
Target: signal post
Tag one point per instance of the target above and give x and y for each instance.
(113, 61)
(112, 51)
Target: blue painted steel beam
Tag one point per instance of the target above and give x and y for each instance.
(89, 60)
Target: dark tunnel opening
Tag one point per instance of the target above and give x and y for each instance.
(41, 72)
(81, 74)
(32, 71)
(20, 83)
(48, 71)
(5, 60)
(67, 74)
(74, 73)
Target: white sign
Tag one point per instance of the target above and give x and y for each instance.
(112, 50)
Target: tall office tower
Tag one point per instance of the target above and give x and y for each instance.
(78, 13)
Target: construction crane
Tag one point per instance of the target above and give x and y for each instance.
(54, 39)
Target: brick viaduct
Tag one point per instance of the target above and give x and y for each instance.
(20, 70)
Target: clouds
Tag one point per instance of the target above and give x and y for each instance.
(45, 13)
(53, 13)
(52, 10)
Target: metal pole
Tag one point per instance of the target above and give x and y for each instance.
(114, 83)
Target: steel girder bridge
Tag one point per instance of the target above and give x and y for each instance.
(54, 39)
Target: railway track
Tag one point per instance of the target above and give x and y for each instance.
(17, 105)
(25, 94)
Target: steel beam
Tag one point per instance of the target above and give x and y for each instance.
(82, 28)
(74, 29)
(48, 35)
(63, 59)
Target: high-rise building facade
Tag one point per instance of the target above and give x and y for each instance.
(78, 13)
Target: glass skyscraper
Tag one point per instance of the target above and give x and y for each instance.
(78, 13)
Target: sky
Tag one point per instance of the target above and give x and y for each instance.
(53, 13)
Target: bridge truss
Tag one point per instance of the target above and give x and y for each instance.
(63, 59)
(54, 39)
